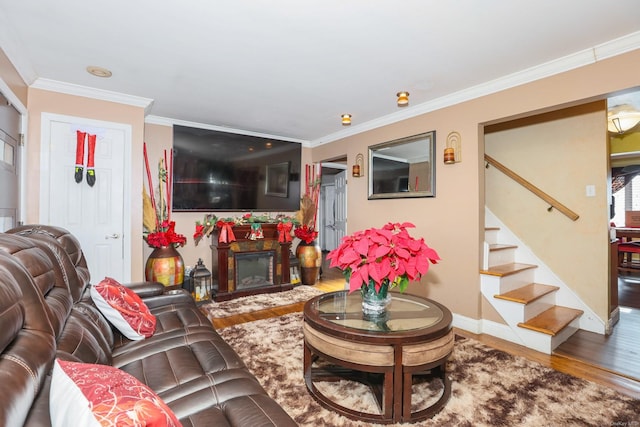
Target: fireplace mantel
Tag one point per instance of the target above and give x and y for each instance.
(223, 260)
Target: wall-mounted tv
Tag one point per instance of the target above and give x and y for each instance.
(221, 171)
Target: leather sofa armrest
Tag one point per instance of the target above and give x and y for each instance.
(175, 296)
(146, 289)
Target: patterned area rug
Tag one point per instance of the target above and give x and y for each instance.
(490, 387)
(217, 310)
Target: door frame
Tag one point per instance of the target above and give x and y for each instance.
(322, 219)
(45, 170)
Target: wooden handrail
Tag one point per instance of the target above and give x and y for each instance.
(535, 190)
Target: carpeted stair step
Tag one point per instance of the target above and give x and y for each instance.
(507, 269)
(552, 321)
(528, 293)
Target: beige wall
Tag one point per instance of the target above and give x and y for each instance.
(452, 222)
(42, 101)
(560, 154)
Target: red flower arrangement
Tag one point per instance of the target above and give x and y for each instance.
(305, 233)
(166, 236)
(383, 256)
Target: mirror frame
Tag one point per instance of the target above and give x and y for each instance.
(430, 139)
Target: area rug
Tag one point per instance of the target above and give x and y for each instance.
(490, 387)
(242, 305)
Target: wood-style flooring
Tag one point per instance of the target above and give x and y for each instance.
(581, 358)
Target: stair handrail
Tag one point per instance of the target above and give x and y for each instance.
(535, 190)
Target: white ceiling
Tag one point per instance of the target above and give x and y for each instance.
(290, 68)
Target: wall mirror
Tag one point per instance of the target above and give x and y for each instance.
(403, 167)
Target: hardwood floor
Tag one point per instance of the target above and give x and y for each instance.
(629, 290)
(583, 360)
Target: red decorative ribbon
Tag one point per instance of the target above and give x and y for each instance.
(284, 231)
(226, 231)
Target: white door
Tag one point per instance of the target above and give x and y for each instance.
(328, 235)
(94, 214)
(340, 215)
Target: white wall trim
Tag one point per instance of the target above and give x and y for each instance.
(90, 92)
(483, 326)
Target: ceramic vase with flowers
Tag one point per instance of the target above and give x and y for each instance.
(309, 255)
(379, 259)
(308, 251)
(165, 264)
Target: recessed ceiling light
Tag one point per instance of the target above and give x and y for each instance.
(99, 71)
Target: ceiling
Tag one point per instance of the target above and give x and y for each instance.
(289, 69)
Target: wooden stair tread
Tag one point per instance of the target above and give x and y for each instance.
(552, 321)
(507, 269)
(501, 246)
(528, 293)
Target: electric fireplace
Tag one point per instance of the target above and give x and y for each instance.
(247, 267)
(254, 269)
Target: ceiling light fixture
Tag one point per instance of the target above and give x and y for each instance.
(622, 118)
(99, 71)
(403, 99)
(346, 119)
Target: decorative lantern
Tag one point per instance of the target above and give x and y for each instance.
(201, 282)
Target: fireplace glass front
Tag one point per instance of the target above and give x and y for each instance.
(254, 269)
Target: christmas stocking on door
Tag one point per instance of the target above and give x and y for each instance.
(91, 171)
(79, 155)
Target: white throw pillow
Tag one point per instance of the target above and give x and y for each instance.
(84, 394)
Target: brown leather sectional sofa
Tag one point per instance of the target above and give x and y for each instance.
(46, 313)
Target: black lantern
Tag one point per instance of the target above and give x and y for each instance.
(200, 282)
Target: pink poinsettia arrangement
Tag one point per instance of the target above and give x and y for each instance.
(387, 255)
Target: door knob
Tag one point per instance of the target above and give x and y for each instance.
(112, 236)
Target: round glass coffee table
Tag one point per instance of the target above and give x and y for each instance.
(413, 338)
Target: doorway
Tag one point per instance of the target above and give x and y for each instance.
(9, 164)
(333, 205)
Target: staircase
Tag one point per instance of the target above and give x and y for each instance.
(530, 309)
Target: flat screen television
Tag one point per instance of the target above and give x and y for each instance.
(221, 171)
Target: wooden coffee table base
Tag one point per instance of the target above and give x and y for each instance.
(379, 366)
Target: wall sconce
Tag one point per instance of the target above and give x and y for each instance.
(622, 118)
(346, 119)
(403, 99)
(453, 149)
(358, 169)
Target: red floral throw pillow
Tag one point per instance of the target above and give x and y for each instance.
(87, 395)
(124, 309)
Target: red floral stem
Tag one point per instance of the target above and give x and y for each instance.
(146, 165)
(166, 184)
(170, 193)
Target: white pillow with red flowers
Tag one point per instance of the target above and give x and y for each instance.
(88, 395)
(124, 309)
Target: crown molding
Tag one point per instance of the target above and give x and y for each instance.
(584, 57)
(90, 92)
(166, 121)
